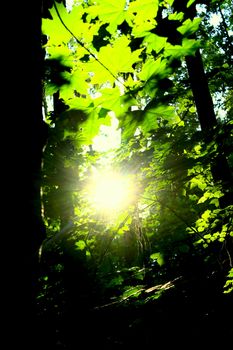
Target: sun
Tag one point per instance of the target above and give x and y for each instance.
(110, 191)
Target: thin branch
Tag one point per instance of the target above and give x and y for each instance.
(177, 215)
(111, 240)
(83, 46)
(159, 287)
(228, 254)
(230, 44)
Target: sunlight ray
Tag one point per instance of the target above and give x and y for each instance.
(110, 191)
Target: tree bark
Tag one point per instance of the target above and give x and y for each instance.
(25, 227)
(205, 109)
(201, 93)
(220, 169)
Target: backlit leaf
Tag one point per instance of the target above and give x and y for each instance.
(80, 245)
(142, 13)
(177, 16)
(154, 42)
(144, 10)
(189, 26)
(158, 257)
(118, 57)
(190, 2)
(108, 11)
(153, 67)
(188, 47)
(58, 33)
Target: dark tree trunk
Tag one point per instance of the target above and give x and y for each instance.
(201, 93)
(26, 132)
(205, 109)
(220, 169)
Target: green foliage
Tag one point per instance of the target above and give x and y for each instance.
(158, 258)
(121, 64)
(189, 26)
(228, 287)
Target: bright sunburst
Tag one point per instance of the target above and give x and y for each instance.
(110, 192)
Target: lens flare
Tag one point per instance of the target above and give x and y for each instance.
(111, 191)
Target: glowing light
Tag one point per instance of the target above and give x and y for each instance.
(109, 137)
(215, 19)
(110, 192)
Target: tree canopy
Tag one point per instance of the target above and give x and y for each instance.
(157, 77)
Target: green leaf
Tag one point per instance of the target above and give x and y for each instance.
(154, 42)
(217, 194)
(154, 115)
(117, 281)
(56, 30)
(192, 109)
(177, 16)
(158, 257)
(152, 68)
(139, 275)
(206, 215)
(103, 112)
(141, 16)
(198, 182)
(144, 10)
(111, 99)
(115, 59)
(80, 245)
(79, 81)
(190, 2)
(188, 48)
(133, 292)
(108, 11)
(90, 128)
(169, 2)
(189, 26)
(129, 123)
(204, 198)
(120, 56)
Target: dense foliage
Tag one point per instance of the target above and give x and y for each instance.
(169, 251)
